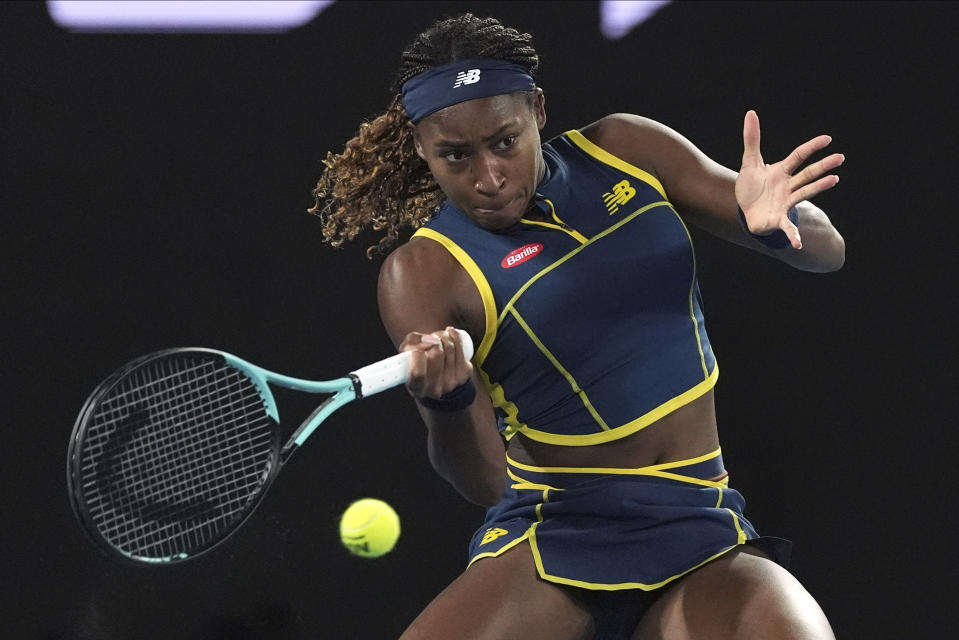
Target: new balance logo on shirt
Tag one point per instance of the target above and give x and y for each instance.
(621, 193)
(466, 77)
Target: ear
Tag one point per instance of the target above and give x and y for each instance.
(416, 141)
(539, 108)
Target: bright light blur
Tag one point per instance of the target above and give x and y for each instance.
(189, 16)
(617, 17)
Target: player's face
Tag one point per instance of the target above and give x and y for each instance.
(485, 155)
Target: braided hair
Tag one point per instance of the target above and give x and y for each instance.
(379, 182)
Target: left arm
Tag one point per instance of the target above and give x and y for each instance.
(709, 195)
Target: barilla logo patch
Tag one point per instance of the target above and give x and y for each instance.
(521, 255)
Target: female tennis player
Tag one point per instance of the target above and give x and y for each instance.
(570, 265)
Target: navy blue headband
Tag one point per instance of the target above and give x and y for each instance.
(460, 81)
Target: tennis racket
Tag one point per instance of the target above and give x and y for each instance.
(174, 451)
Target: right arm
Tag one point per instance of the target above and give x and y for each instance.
(422, 293)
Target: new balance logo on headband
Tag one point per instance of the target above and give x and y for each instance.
(432, 90)
(466, 77)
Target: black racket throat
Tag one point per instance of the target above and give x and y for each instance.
(291, 447)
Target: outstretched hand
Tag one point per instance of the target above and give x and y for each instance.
(766, 192)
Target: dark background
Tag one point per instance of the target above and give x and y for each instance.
(154, 190)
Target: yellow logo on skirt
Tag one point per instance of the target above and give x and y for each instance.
(492, 534)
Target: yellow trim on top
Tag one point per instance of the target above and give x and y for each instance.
(485, 291)
(606, 157)
(598, 236)
(586, 439)
(559, 367)
(559, 226)
(609, 433)
(498, 396)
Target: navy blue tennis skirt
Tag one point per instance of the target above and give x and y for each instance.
(615, 529)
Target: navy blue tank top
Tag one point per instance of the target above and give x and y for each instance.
(594, 322)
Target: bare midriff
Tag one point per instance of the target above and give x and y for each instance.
(687, 432)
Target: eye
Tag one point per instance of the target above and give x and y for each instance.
(454, 156)
(506, 142)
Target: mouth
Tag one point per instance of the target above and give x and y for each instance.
(486, 211)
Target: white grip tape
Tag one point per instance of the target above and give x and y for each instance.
(395, 370)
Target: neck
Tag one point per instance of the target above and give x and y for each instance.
(536, 212)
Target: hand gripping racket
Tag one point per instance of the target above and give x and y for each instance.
(173, 452)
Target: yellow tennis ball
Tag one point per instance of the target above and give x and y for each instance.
(369, 528)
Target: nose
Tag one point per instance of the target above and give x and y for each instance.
(488, 176)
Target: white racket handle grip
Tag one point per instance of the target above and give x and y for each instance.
(395, 370)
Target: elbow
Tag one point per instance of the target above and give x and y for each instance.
(827, 248)
(837, 257)
(825, 258)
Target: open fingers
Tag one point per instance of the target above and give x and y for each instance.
(815, 170)
(803, 152)
(810, 190)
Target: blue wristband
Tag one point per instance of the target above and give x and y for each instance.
(778, 238)
(459, 398)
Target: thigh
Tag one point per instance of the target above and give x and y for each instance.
(741, 595)
(502, 598)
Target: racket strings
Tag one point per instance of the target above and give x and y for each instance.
(168, 453)
(163, 450)
(188, 474)
(173, 454)
(195, 482)
(186, 503)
